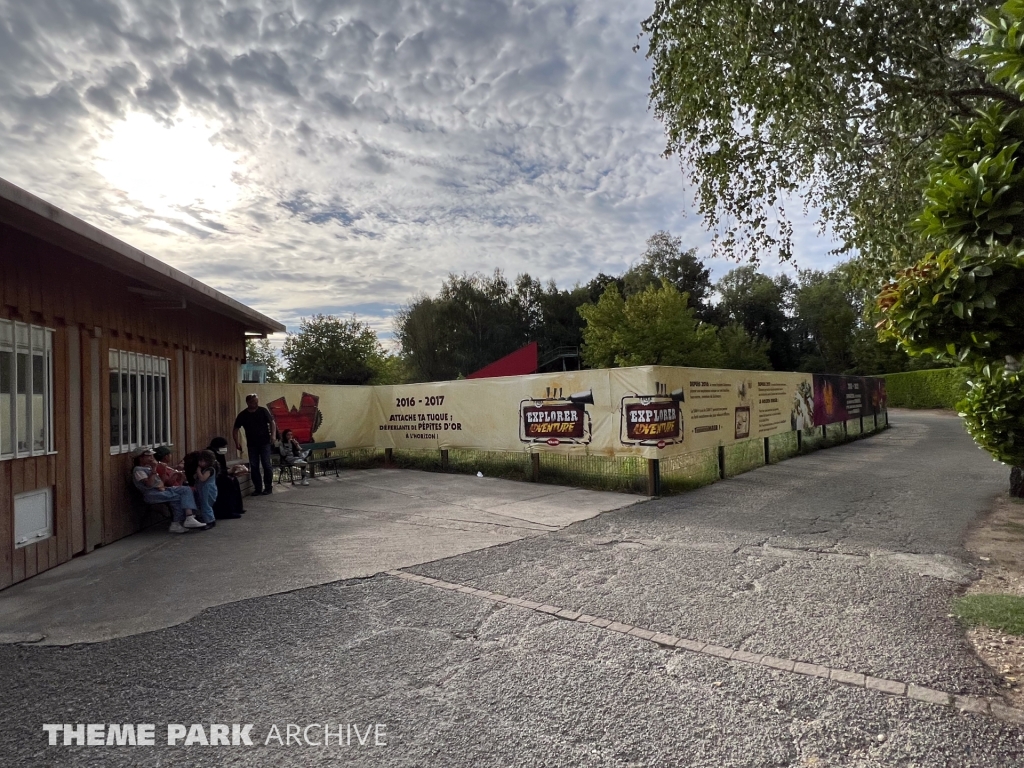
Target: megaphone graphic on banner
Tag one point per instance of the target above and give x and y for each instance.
(583, 398)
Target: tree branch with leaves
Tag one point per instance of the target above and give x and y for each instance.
(965, 303)
(833, 103)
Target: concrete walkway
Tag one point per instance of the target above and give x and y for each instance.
(355, 526)
(797, 615)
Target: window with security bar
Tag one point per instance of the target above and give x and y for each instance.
(26, 390)
(140, 401)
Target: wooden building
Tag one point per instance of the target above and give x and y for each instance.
(103, 349)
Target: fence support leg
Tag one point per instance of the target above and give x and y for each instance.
(721, 462)
(824, 431)
(876, 420)
(389, 456)
(767, 452)
(799, 441)
(444, 460)
(887, 417)
(862, 424)
(846, 429)
(535, 466)
(653, 477)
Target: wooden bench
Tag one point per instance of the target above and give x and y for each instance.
(161, 509)
(244, 481)
(320, 455)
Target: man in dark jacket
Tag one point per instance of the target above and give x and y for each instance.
(260, 433)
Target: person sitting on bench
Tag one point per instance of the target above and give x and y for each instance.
(229, 491)
(179, 498)
(170, 475)
(292, 454)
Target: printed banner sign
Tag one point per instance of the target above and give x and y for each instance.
(652, 411)
(553, 423)
(652, 419)
(838, 398)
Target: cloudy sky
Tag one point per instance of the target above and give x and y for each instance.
(343, 156)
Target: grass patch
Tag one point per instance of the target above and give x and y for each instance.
(1002, 612)
(681, 473)
(1012, 527)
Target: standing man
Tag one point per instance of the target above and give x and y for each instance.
(260, 431)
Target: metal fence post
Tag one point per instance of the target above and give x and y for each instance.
(653, 477)
(767, 452)
(444, 459)
(862, 423)
(389, 455)
(721, 462)
(535, 466)
(799, 441)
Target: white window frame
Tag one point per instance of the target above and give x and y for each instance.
(148, 422)
(34, 341)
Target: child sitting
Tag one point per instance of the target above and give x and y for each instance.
(170, 476)
(292, 454)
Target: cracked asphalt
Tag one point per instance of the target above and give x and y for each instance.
(847, 557)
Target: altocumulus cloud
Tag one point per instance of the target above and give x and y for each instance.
(322, 155)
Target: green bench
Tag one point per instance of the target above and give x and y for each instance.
(320, 455)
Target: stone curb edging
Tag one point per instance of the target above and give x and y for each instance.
(970, 704)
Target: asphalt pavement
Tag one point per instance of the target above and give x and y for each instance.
(847, 557)
(352, 525)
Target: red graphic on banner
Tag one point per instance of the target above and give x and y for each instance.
(302, 421)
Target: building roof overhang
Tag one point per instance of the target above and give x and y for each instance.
(154, 281)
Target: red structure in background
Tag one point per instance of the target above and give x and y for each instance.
(519, 363)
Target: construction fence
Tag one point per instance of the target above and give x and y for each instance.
(653, 429)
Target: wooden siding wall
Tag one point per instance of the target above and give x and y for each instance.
(42, 284)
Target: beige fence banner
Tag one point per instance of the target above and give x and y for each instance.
(725, 406)
(319, 413)
(652, 411)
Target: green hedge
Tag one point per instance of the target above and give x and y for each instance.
(939, 388)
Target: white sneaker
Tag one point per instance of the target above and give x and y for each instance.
(176, 528)
(304, 482)
(191, 522)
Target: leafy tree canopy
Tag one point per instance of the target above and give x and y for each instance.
(834, 102)
(814, 324)
(665, 259)
(740, 351)
(334, 350)
(653, 327)
(761, 305)
(473, 321)
(965, 303)
(827, 320)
